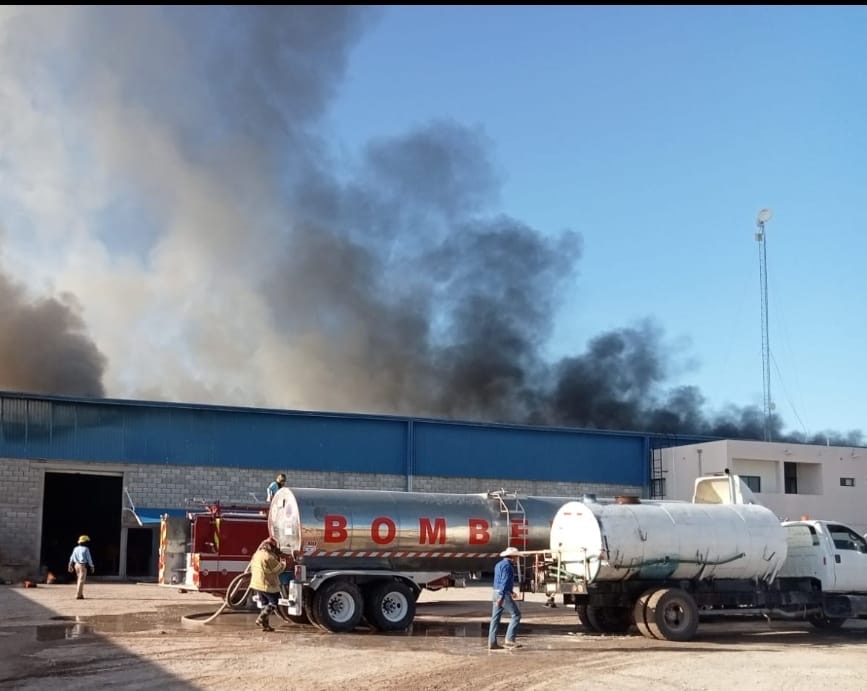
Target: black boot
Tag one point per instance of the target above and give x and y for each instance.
(263, 620)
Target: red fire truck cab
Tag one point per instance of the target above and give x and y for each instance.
(206, 549)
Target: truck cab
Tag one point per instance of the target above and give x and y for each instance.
(832, 553)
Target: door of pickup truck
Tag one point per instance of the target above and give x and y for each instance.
(850, 559)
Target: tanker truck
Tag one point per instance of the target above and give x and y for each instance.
(658, 566)
(354, 554)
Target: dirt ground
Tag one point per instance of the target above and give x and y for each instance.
(143, 636)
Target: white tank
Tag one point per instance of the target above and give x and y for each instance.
(668, 540)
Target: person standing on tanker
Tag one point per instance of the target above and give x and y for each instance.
(274, 486)
(504, 583)
(79, 562)
(265, 569)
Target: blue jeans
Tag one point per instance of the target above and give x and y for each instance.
(497, 612)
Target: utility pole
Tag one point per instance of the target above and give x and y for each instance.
(763, 217)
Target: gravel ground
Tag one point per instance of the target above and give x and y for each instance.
(143, 636)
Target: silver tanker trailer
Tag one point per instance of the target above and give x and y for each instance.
(368, 553)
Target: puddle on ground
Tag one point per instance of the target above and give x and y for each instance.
(77, 627)
(476, 629)
(437, 629)
(60, 632)
(126, 623)
(83, 627)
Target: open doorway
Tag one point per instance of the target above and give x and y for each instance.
(140, 552)
(81, 504)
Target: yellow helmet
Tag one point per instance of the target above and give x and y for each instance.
(83, 539)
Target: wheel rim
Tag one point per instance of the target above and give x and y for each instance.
(394, 607)
(675, 616)
(341, 607)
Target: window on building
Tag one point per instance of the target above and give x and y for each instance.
(790, 478)
(754, 482)
(847, 482)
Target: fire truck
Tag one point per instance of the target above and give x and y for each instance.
(207, 549)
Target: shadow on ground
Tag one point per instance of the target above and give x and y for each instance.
(40, 648)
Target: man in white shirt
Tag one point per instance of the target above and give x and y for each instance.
(79, 562)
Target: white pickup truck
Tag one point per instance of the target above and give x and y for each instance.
(830, 559)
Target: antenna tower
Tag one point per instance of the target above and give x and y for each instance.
(763, 217)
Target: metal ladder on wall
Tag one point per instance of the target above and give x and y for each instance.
(657, 476)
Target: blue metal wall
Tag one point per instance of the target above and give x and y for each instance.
(523, 452)
(59, 428)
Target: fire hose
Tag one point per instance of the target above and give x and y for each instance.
(235, 602)
(230, 600)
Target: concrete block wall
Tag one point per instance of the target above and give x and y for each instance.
(20, 516)
(187, 487)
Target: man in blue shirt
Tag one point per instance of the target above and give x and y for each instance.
(274, 486)
(504, 583)
(79, 562)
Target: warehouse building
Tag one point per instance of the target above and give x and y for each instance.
(110, 468)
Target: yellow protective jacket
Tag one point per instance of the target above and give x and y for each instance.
(265, 569)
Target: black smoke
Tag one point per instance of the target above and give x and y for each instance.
(291, 273)
(44, 346)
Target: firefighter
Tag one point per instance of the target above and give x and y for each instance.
(265, 569)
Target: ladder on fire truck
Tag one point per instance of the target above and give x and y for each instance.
(513, 510)
(510, 507)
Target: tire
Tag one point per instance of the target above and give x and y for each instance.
(390, 606)
(823, 623)
(639, 614)
(583, 619)
(308, 599)
(671, 615)
(302, 618)
(337, 606)
(609, 619)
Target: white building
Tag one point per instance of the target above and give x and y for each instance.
(793, 480)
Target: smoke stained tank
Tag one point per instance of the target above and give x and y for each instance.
(668, 540)
(419, 531)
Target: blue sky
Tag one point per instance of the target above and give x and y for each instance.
(658, 133)
(279, 206)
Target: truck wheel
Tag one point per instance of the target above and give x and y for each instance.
(308, 599)
(583, 619)
(337, 606)
(302, 618)
(609, 619)
(671, 615)
(390, 606)
(823, 623)
(639, 614)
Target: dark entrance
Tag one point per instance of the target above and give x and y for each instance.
(139, 551)
(78, 504)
